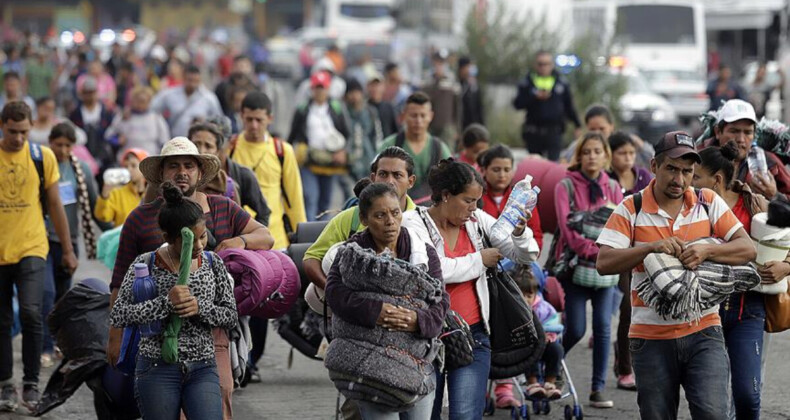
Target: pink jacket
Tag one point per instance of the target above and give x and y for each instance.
(583, 247)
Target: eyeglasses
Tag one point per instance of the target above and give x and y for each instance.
(544, 63)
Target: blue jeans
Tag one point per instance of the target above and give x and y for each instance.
(697, 362)
(576, 298)
(28, 276)
(743, 321)
(420, 411)
(163, 390)
(56, 283)
(466, 386)
(317, 190)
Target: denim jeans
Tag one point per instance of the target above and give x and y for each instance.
(57, 282)
(466, 386)
(317, 190)
(697, 362)
(576, 298)
(420, 411)
(28, 276)
(743, 321)
(163, 390)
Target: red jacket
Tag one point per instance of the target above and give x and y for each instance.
(490, 207)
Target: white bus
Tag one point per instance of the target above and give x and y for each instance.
(664, 39)
(359, 19)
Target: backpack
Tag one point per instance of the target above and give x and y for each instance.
(38, 160)
(279, 149)
(423, 193)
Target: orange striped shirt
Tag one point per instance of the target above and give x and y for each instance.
(654, 224)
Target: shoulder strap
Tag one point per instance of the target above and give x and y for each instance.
(637, 203)
(436, 151)
(354, 222)
(335, 105)
(704, 205)
(38, 162)
(400, 139)
(569, 186)
(151, 261)
(207, 256)
(279, 149)
(234, 139)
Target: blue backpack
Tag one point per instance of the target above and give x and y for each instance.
(130, 344)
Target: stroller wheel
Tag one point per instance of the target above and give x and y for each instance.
(577, 412)
(490, 407)
(536, 406)
(546, 407)
(568, 413)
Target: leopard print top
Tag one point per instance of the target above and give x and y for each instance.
(217, 308)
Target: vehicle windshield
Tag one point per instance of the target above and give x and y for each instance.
(365, 11)
(672, 76)
(648, 24)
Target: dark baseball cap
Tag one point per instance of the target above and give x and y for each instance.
(676, 144)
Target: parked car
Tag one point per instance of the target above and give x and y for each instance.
(642, 111)
(684, 89)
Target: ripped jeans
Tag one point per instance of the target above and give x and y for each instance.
(743, 321)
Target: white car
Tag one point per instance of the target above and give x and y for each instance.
(642, 111)
(684, 89)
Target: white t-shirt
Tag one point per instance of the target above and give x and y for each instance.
(319, 125)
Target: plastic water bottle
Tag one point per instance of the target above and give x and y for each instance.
(756, 160)
(523, 195)
(143, 289)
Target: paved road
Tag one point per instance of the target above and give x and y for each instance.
(304, 391)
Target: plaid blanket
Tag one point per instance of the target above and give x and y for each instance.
(676, 292)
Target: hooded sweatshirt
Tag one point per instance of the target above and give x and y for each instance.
(583, 247)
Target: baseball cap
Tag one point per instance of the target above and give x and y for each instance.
(375, 77)
(676, 144)
(736, 110)
(321, 79)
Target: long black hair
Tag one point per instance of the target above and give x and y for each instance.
(452, 177)
(178, 211)
(715, 159)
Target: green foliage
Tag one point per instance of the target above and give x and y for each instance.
(504, 45)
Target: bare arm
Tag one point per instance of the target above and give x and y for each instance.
(738, 250)
(254, 235)
(616, 261)
(312, 267)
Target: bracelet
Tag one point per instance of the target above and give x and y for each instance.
(243, 240)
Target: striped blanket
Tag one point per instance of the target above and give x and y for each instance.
(676, 292)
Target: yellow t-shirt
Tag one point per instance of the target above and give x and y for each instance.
(262, 159)
(117, 207)
(21, 216)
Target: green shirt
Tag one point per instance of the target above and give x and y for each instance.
(422, 161)
(39, 79)
(337, 230)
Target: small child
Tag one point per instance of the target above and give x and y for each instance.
(552, 354)
(176, 368)
(474, 141)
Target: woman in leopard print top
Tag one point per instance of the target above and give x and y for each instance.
(191, 383)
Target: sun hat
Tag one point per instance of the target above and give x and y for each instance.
(151, 167)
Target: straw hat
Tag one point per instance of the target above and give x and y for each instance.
(151, 167)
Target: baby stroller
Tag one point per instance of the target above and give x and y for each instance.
(564, 381)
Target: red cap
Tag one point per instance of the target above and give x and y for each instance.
(322, 79)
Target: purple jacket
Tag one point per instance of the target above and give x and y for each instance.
(583, 247)
(365, 312)
(643, 178)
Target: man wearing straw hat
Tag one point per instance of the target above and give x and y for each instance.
(229, 226)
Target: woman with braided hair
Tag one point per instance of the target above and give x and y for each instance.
(78, 194)
(176, 368)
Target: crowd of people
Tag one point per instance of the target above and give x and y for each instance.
(205, 173)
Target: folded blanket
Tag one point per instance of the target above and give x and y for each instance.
(677, 293)
(373, 391)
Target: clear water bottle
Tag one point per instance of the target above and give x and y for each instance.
(523, 195)
(756, 160)
(117, 176)
(143, 289)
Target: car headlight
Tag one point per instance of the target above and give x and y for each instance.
(663, 115)
(627, 115)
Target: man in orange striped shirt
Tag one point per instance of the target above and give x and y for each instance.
(667, 353)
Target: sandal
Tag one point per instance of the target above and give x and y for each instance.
(552, 392)
(535, 391)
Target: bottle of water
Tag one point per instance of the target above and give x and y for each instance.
(143, 289)
(756, 160)
(523, 195)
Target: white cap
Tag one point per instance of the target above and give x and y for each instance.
(736, 110)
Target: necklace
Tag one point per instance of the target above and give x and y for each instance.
(173, 266)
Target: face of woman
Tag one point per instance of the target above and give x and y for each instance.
(62, 147)
(593, 158)
(623, 159)
(498, 174)
(132, 164)
(703, 178)
(459, 208)
(46, 110)
(600, 124)
(383, 219)
(200, 241)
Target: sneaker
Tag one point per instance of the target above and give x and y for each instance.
(46, 361)
(627, 382)
(9, 400)
(30, 396)
(597, 400)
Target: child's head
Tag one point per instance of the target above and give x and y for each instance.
(475, 140)
(131, 161)
(180, 212)
(497, 166)
(527, 282)
(623, 151)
